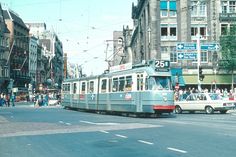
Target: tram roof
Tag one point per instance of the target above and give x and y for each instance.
(135, 69)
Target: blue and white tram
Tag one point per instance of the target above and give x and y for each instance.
(139, 89)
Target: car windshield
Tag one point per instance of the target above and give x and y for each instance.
(159, 82)
(214, 96)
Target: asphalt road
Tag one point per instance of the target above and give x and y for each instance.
(48, 132)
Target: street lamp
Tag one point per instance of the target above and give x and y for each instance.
(198, 61)
(215, 77)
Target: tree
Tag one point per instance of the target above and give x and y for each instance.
(228, 52)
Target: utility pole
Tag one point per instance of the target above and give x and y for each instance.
(198, 61)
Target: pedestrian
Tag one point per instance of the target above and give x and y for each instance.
(46, 99)
(36, 100)
(13, 98)
(7, 100)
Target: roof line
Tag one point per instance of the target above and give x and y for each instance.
(9, 14)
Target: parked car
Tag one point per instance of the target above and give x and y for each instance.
(208, 102)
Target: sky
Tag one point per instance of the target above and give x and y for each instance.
(83, 26)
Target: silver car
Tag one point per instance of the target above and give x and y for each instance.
(208, 102)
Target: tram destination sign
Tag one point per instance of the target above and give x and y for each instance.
(162, 65)
(193, 46)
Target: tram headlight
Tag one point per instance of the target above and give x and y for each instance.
(165, 98)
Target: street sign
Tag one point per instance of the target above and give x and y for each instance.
(193, 46)
(210, 47)
(187, 55)
(186, 46)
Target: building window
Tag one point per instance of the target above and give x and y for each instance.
(224, 29)
(172, 31)
(168, 8)
(224, 7)
(198, 8)
(193, 31)
(164, 49)
(203, 56)
(201, 29)
(202, 9)
(164, 32)
(168, 32)
(232, 6)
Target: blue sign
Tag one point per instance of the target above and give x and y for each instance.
(187, 56)
(193, 46)
(186, 46)
(210, 47)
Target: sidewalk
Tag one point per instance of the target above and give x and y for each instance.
(31, 104)
(24, 104)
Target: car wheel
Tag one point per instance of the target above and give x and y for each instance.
(178, 109)
(209, 110)
(223, 112)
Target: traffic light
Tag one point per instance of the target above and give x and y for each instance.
(201, 76)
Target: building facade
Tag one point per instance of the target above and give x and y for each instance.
(4, 53)
(52, 50)
(159, 26)
(33, 46)
(19, 50)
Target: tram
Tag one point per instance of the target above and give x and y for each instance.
(144, 88)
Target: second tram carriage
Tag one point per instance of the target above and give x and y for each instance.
(144, 88)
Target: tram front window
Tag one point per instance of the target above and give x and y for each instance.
(159, 82)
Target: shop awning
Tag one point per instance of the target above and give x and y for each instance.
(176, 76)
(209, 79)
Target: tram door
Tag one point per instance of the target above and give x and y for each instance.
(140, 88)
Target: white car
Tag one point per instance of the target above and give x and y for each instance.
(208, 102)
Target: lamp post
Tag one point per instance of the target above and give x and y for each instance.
(198, 61)
(215, 77)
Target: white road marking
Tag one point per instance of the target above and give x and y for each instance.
(87, 122)
(68, 123)
(106, 123)
(177, 150)
(103, 131)
(122, 136)
(145, 142)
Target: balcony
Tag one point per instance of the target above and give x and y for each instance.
(227, 17)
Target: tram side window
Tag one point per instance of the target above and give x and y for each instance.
(74, 88)
(110, 85)
(66, 87)
(128, 84)
(104, 86)
(121, 83)
(83, 87)
(91, 86)
(115, 85)
(140, 83)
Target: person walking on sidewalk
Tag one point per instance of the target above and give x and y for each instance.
(8, 100)
(13, 97)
